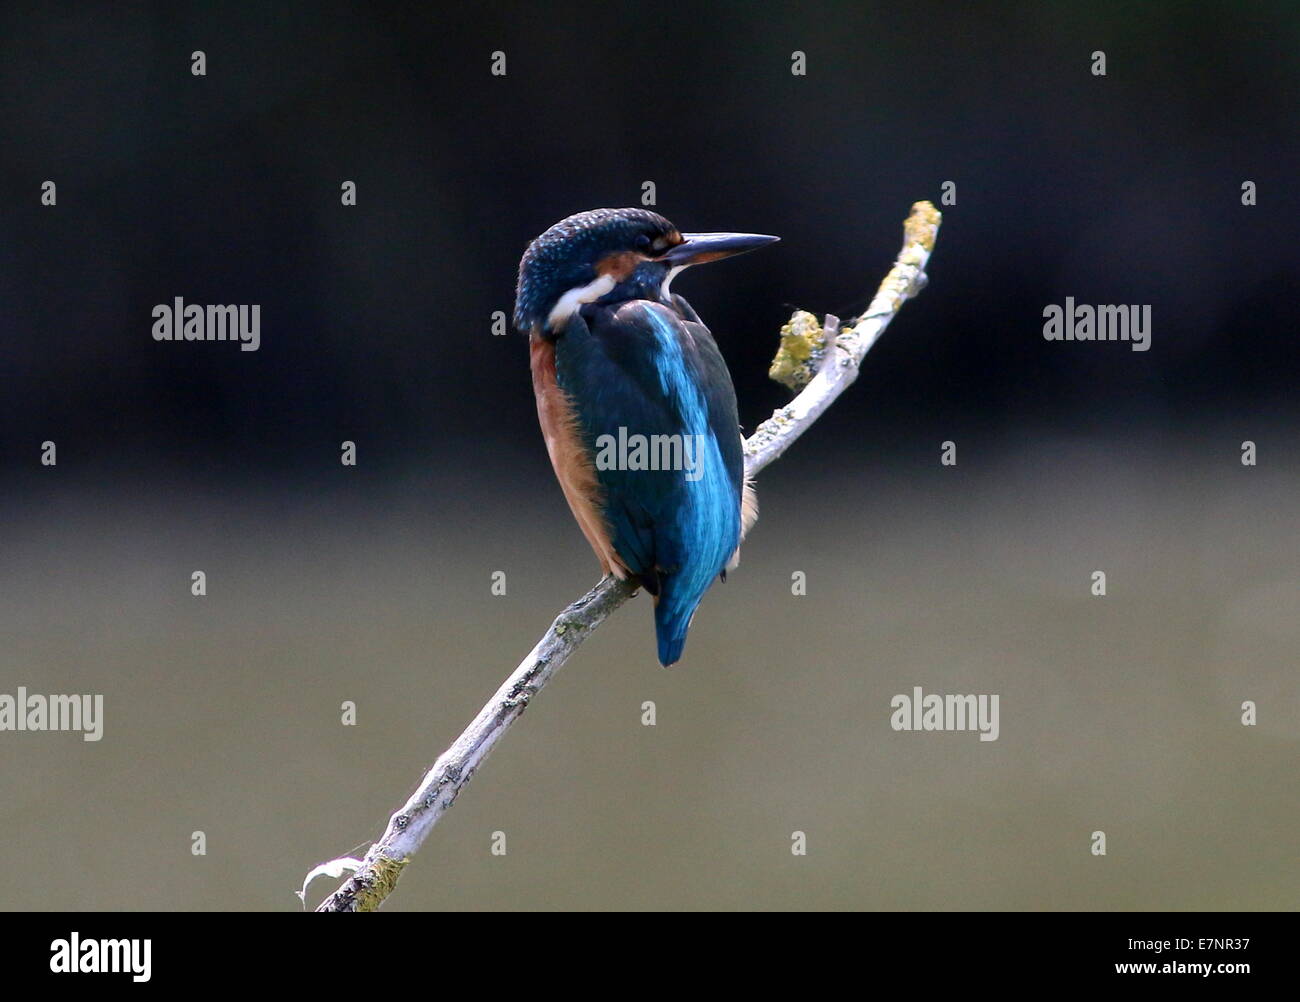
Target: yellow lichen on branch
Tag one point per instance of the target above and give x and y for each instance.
(907, 277)
(803, 344)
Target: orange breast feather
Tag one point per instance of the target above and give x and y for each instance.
(570, 457)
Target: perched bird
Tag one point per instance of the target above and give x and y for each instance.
(636, 404)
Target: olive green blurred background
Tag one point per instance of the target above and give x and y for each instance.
(1118, 714)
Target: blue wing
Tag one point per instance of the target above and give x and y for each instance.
(644, 369)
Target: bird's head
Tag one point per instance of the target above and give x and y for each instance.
(610, 255)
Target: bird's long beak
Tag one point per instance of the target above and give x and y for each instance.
(698, 248)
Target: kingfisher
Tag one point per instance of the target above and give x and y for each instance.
(636, 404)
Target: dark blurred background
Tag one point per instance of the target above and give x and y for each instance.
(371, 583)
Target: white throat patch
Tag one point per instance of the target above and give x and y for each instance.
(668, 280)
(574, 298)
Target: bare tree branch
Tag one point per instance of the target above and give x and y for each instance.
(821, 360)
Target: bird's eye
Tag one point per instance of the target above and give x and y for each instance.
(653, 244)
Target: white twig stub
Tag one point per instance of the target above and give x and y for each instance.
(844, 349)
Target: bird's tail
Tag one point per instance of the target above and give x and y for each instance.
(672, 621)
